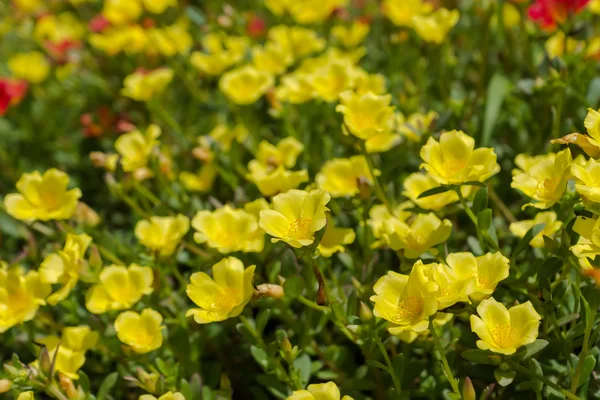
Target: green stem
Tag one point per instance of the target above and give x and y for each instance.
(54, 391)
(436, 341)
(542, 379)
(473, 218)
(583, 354)
(377, 185)
(389, 364)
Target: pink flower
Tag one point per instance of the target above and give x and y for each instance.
(548, 13)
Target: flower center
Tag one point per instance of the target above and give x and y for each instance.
(408, 310)
(504, 336)
(547, 188)
(299, 228)
(454, 165)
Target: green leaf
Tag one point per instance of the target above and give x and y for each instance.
(480, 202)
(260, 356)
(498, 88)
(109, 382)
(484, 220)
(473, 183)
(262, 319)
(593, 95)
(531, 349)
(377, 364)
(549, 268)
(303, 364)
(536, 384)
(433, 191)
(504, 378)
(477, 356)
(294, 286)
(524, 242)
(588, 366)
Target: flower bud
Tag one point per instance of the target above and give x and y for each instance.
(270, 290)
(468, 392)
(5, 385)
(365, 313)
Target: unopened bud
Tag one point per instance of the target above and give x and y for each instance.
(365, 313)
(45, 361)
(203, 154)
(67, 386)
(468, 392)
(354, 328)
(364, 187)
(84, 215)
(270, 290)
(225, 382)
(143, 173)
(286, 345)
(5, 385)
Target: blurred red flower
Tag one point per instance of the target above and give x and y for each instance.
(548, 13)
(11, 92)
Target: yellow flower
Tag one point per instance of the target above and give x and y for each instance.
(42, 197)
(587, 179)
(28, 6)
(455, 281)
(417, 236)
(406, 301)
(271, 58)
(334, 239)
(551, 226)
(379, 214)
(319, 391)
(555, 45)
(296, 40)
(504, 331)
(402, 12)
(20, 296)
(313, 11)
(333, 79)
(367, 115)
(159, 6)
(142, 332)
(285, 153)
(440, 319)
(351, 36)
(69, 352)
(382, 142)
(32, 66)
(295, 216)
(26, 396)
(295, 88)
(223, 52)
(590, 144)
(488, 270)
(162, 233)
(166, 396)
(342, 176)
(169, 40)
(588, 246)
(119, 288)
(144, 85)
(228, 230)
(434, 27)
(65, 266)
(119, 12)
(594, 6)
(225, 295)
(417, 183)
(212, 64)
(135, 148)
(224, 135)
(200, 182)
(245, 85)
(271, 181)
(131, 39)
(366, 82)
(57, 28)
(416, 126)
(453, 160)
(543, 178)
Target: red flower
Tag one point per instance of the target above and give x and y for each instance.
(548, 13)
(256, 26)
(98, 24)
(59, 51)
(11, 92)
